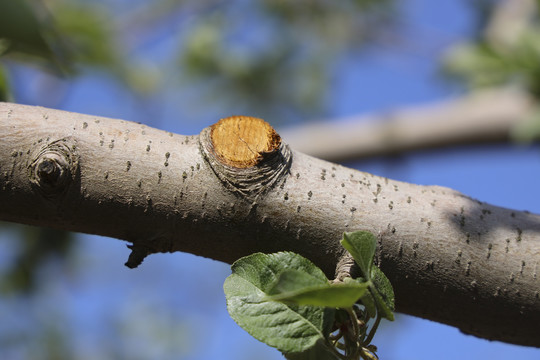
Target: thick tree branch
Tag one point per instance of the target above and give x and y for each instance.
(450, 258)
(485, 117)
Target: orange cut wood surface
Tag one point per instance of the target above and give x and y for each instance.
(240, 141)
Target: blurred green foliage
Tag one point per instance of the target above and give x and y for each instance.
(484, 64)
(281, 56)
(267, 57)
(5, 92)
(23, 32)
(37, 247)
(506, 53)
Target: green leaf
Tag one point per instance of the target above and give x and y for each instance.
(291, 280)
(383, 293)
(361, 245)
(320, 351)
(264, 269)
(290, 329)
(369, 302)
(295, 287)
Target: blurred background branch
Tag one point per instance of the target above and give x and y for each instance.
(492, 116)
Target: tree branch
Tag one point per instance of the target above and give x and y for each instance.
(450, 258)
(485, 117)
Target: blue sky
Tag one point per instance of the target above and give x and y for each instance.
(174, 303)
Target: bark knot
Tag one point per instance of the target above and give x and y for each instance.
(53, 168)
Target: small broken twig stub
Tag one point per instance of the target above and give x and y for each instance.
(245, 153)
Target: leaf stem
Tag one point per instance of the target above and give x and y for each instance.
(336, 337)
(354, 320)
(373, 329)
(337, 353)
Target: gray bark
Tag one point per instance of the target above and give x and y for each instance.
(450, 258)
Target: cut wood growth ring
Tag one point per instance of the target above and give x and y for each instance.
(246, 153)
(242, 141)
